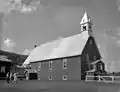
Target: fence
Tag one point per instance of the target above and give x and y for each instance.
(100, 78)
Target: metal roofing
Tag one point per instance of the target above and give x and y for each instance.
(64, 47)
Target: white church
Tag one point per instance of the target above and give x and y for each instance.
(70, 58)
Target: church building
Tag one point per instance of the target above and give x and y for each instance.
(70, 58)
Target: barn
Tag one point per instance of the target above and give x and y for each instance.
(70, 58)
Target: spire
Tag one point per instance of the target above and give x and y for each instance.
(86, 23)
(85, 18)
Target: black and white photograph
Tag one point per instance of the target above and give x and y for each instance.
(59, 45)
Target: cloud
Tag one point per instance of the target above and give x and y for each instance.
(118, 42)
(9, 45)
(23, 6)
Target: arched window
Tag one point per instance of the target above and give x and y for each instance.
(84, 28)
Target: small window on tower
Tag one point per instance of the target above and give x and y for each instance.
(84, 28)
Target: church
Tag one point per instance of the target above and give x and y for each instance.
(72, 58)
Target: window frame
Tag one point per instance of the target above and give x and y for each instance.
(64, 61)
(50, 65)
(50, 77)
(39, 66)
(101, 67)
(2, 69)
(84, 28)
(64, 77)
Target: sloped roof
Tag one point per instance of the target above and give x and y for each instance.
(100, 60)
(4, 58)
(93, 70)
(64, 47)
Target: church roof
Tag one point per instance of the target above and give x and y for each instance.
(69, 46)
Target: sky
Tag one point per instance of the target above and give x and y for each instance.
(60, 18)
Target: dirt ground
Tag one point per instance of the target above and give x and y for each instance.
(38, 86)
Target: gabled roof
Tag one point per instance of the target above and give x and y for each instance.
(64, 47)
(93, 70)
(100, 60)
(4, 58)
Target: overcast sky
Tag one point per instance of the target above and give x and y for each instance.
(60, 18)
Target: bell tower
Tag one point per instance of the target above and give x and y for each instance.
(86, 24)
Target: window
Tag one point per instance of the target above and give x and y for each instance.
(87, 58)
(50, 65)
(39, 66)
(90, 41)
(50, 77)
(94, 57)
(2, 69)
(64, 63)
(101, 67)
(90, 28)
(64, 77)
(84, 28)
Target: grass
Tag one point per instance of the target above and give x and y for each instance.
(70, 86)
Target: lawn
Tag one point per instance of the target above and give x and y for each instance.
(38, 86)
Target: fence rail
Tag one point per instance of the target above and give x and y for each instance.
(101, 78)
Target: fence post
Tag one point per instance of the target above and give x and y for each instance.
(99, 78)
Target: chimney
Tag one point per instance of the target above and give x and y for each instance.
(35, 46)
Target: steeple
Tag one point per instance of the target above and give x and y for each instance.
(86, 23)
